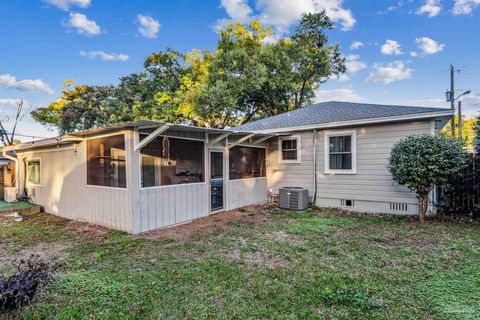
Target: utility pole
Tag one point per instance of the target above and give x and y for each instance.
(460, 123)
(452, 98)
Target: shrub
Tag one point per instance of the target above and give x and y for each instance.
(19, 289)
(421, 162)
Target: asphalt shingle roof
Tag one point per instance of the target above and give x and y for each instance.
(332, 111)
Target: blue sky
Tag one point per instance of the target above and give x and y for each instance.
(399, 52)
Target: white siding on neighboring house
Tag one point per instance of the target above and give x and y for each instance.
(371, 188)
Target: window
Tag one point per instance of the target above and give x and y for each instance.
(246, 162)
(340, 152)
(289, 150)
(168, 161)
(33, 171)
(106, 162)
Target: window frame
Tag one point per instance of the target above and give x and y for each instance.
(127, 160)
(327, 136)
(205, 163)
(299, 148)
(30, 183)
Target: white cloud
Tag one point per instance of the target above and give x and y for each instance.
(393, 7)
(149, 27)
(342, 78)
(353, 64)
(105, 56)
(391, 47)
(66, 4)
(9, 81)
(83, 25)
(238, 10)
(429, 46)
(356, 45)
(431, 8)
(413, 54)
(347, 95)
(394, 71)
(465, 6)
(282, 14)
(12, 102)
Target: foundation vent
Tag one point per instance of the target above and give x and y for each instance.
(347, 203)
(398, 206)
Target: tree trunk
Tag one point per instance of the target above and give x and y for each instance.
(422, 206)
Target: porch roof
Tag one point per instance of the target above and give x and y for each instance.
(76, 137)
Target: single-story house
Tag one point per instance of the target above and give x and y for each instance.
(143, 175)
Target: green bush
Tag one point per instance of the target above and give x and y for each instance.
(421, 162)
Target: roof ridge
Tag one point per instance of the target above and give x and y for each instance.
(334, 111)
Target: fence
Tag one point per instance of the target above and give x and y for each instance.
(463, 194)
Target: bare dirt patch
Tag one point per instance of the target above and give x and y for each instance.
(44, 251)
(252, 214)
(92, 231)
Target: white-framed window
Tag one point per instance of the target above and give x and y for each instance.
(33, 171)
(289, 149)
(341, 152)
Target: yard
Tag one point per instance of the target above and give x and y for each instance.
(258, 263)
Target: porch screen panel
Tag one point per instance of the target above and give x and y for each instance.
(247, 162)
(170, 161)
(106, 162)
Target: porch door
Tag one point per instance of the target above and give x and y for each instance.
(216, 181)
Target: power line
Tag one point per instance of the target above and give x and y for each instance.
(28, 136)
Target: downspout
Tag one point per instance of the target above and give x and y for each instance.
(314, 167)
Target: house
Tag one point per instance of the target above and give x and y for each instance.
(144, 175)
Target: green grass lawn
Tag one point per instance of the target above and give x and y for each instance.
(276, 265)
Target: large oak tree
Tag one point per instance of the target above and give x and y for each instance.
(248, 77)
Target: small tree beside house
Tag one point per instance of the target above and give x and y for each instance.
(421, 162)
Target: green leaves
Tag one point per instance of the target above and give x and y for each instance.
(251, 75)
(423, 161)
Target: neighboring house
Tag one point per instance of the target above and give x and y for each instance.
(144, 175)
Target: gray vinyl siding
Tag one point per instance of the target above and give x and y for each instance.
(63, 189)
(371, 187)
(291, 174)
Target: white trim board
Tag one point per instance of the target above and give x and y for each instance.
(326, 143)
(299, 149)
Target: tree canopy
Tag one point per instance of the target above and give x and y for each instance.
(469, 134)
(248, 77)
(421, 162)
